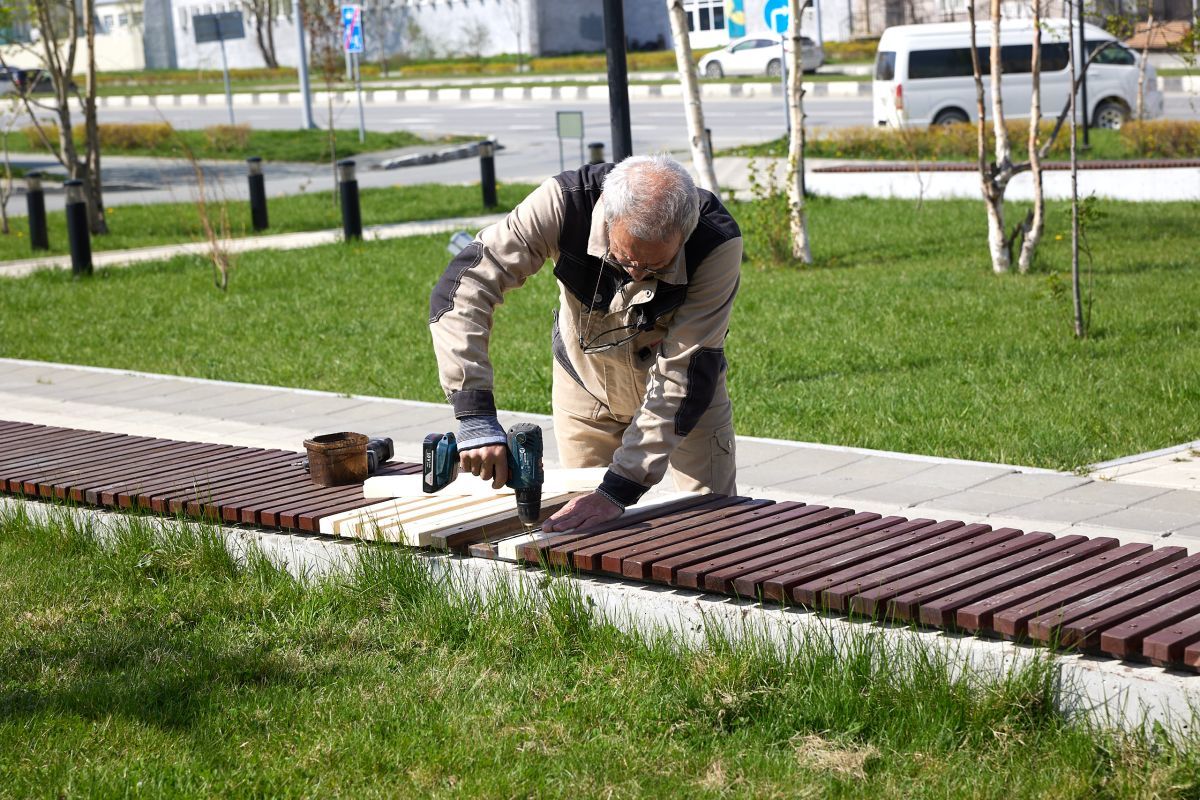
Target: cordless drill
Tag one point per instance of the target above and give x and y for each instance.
(439, 466)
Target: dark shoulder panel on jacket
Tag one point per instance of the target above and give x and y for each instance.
(716, 227)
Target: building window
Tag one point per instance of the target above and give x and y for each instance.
(705, 15)
(123, 20)
(106, 22)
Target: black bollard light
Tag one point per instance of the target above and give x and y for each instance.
(487, 172)
(595, 152)
(348, 189)
(77, 228)
(35, 201)
(258, 193)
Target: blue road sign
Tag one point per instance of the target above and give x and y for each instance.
(775, 12)
(352, 29)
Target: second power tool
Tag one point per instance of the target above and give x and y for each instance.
(439, 466)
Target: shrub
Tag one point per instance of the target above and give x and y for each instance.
(856, 50)
(134, 136)
(1162, 138)
(227, 138)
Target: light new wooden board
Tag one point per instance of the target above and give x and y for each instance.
(417, 521)
(557, 481)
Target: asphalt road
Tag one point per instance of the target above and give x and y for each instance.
(524, 128)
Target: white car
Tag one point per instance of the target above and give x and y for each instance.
(757, 55)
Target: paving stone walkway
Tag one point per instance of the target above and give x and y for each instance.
(1136, 500)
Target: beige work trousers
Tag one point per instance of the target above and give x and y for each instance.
(588, 433)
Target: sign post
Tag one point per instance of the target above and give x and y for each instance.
(775, 12)
(218, 28)
(352, 43)
(570, 126)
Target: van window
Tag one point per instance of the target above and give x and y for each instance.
(1112, 55)
(885, 66)
(952, 63)
(1055, 56)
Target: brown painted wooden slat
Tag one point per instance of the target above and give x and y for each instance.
(537, 552)
(592, 556)
(266, 506)
(835, 552)
(876, 601)
(826, 542)
(690, 570)
(836, 590)
(877, 560)
(15, 473)
(119, 465)
(309, 520)
(47, 447)
(1191, 655)
(943, 612)
(636, 561)
(737, 573)
(1167, 646)
(210, 482)
(252, 492)
(459, 540)
(1014, 621)
(179, 479)
(1127, 640)
(1084, 631)
(908, 606)
(176, 473)
(585, 553)
(1054, 622)
(97, 466)
(978, 616)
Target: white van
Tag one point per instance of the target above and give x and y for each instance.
(923, 74)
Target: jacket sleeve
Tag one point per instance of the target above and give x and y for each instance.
(684, 379)
(462, 304)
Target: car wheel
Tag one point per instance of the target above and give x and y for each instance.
(714, 70)
(774, 68)
(951, 116)
(1109, 115)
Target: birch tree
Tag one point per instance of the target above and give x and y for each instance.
(1037, 222)
(694, 111)
(59, 23)
(795, 165)
(993, 178)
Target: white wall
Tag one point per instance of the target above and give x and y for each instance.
(120, 50)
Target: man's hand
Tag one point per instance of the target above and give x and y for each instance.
(590, 509)
(489, 462)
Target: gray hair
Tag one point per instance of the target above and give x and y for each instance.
(653, 196)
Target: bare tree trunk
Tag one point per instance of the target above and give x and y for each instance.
(93, 187)
(993, 178)
(1033, 236)
(795, 102)
(701, 158)
(1141, 90)
(1076, 292)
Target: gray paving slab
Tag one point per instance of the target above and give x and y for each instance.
(1177, 501)
(880, 469)
(1110, 493)
(1190, 532)
(978, 502)
(805, 461)
(824, 485)
(959, 476)
(1034, 485)
(1061, 510)
(900, 493)
(1144, 520)
(752, 453)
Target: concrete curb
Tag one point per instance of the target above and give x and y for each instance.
(1109, 693)
(491, 94)
(435, 157)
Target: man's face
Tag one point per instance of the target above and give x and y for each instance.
(640, 258)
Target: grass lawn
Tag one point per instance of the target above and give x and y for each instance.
(158, 667)
(235, 142)
(142, 226)
(899, 339)
(1152, 139)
